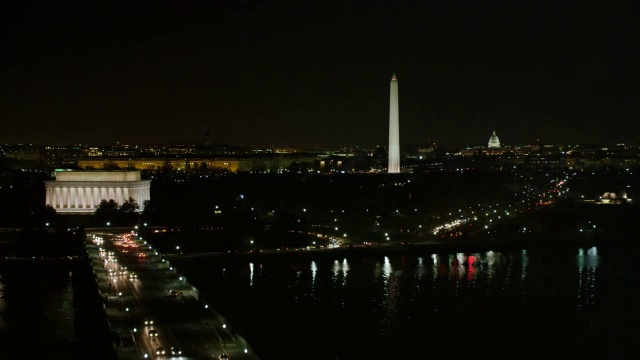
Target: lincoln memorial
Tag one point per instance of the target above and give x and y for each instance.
(80, 191)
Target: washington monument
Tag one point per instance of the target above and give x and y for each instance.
(394, 128)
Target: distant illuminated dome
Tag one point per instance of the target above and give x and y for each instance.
(494, 142)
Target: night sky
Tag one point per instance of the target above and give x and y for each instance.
(307, 73)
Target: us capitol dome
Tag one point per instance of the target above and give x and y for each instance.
(494, 142)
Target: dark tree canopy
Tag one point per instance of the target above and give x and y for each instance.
(130, 206)
(107, 207)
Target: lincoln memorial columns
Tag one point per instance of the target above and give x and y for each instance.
(80, 191)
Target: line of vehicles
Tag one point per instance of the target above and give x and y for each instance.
(160, 350)
(125, 244)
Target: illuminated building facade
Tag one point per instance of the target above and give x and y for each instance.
(494, 142)
(231, 165)
(81, 191)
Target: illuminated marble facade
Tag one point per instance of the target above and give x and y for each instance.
(80, 191)
(394, 128)
(494, 142)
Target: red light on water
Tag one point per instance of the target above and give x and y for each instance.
(472, 270)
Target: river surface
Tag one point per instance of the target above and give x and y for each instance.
(546, 304)
(36, 315)
(535, 304)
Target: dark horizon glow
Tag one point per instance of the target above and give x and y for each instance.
(153, 72)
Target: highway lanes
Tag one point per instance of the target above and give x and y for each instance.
(182, 321)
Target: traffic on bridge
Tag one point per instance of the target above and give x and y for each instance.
(154, 312)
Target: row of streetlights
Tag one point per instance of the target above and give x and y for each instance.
(182, 282)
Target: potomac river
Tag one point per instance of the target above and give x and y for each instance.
(546, 303)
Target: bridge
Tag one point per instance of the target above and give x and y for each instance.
(139, 286)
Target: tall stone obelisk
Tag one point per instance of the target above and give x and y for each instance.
(394, 128)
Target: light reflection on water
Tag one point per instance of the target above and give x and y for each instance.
(250, 274)
(336, 269)
(314, 270)
(588, 261)
(374, 303)
(389, 302)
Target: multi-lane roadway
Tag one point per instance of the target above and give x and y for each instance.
(149, 303)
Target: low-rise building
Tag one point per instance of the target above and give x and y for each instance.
(81, 191)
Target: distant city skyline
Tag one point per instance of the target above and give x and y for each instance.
(257, 75)
(279, 148)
